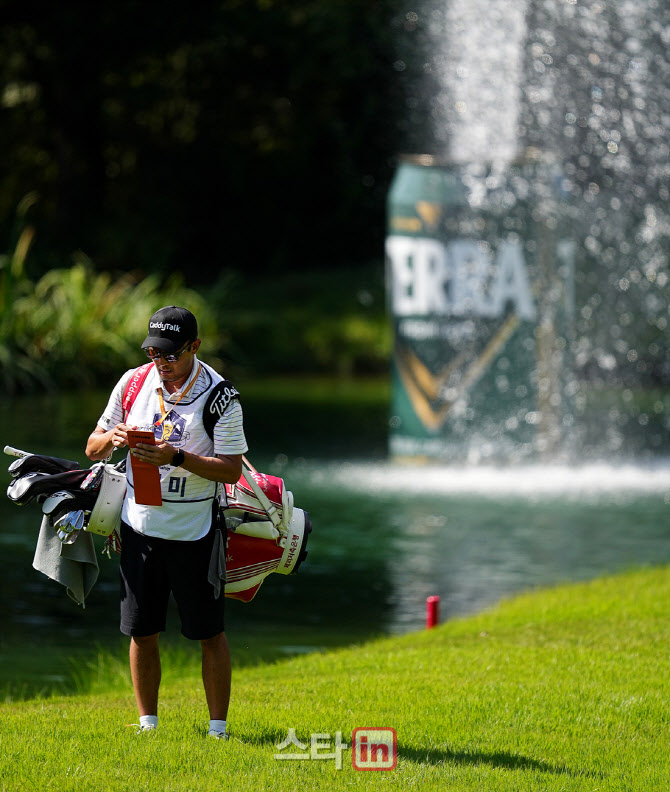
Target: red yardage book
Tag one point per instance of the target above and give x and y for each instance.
(146, 477)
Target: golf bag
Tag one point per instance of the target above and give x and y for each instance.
(265, 533)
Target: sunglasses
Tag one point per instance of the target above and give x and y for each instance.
(156, 354)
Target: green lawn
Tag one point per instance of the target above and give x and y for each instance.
(560, 689)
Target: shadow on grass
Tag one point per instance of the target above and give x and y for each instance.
(502, 760)
(499, 759)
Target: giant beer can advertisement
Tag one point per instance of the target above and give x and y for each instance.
(479, 279)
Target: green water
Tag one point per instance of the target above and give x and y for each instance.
(385, 537)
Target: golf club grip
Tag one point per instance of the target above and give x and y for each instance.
(15, 452)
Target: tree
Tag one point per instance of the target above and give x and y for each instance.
(233, 134)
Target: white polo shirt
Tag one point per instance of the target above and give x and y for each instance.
(187, 499)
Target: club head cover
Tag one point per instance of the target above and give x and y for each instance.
(37, 463)
(56, 505)
(23, 490)
(26, 488)
(60, 503)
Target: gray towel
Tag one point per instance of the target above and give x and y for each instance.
(216, 574)
(74, 566)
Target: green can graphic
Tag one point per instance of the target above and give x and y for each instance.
(479, 276)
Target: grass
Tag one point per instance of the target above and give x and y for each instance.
(559, 689)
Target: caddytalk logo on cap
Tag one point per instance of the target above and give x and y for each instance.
(164, 326)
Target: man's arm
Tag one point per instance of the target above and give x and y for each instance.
(225, 468)
(101, 442)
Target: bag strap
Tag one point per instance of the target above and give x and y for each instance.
(270, 508)
(133, 387)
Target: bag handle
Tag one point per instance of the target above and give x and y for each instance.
(270, 508)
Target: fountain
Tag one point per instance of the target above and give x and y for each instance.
(526, 255)
(528, 276)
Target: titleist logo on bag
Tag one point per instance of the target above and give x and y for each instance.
(221, 397)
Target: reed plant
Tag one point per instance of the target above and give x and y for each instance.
(18, 368)
(76, 326)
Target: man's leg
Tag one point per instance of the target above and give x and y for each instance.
(216, 673)
(145, 670)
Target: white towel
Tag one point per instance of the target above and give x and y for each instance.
(74, 566)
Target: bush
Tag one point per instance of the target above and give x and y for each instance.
(78, 327)
(75, 326)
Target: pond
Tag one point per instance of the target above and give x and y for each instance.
(385, 536)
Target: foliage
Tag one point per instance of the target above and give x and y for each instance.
(235, 134)
(76, 327)
(331, 322)
(562, 689)
(18, 368)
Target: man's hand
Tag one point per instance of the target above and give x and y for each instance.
(119, 436)
(159, 454)
(102, 442)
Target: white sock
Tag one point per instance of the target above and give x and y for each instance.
(149, 721)
(218, 726)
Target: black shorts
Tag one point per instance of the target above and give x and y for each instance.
(151, 568)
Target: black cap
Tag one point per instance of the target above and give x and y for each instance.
(171, 328)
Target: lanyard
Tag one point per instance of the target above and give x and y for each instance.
(164, 413)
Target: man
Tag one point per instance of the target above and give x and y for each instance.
(168, 548)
